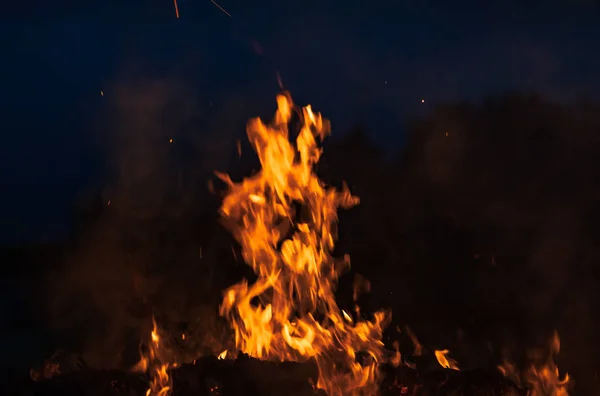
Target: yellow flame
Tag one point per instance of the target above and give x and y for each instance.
(283, 218)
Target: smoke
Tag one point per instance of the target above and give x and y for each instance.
(148, 242)
(507, 178)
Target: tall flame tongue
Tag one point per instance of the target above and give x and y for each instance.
(284, 218)
(155, 361)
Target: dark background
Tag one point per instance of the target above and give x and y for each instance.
(469, 131)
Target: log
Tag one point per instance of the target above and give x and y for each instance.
(247, 376)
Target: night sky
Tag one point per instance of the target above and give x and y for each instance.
(355, 61)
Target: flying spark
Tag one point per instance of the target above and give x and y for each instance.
(221, 8)
(176, 9)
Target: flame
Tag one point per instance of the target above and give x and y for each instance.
(542, 377)
(155, 362)
(396, 359)
(418, 348)
(446, 362)
(284, 217)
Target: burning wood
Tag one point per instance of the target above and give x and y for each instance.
(248, 376)
(244, 375)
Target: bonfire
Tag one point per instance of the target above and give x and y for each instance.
(284, 219)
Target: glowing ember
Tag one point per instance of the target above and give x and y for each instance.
(283, 218)
(220, 8)
(176, 9)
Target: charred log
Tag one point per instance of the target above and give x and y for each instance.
(247, 376)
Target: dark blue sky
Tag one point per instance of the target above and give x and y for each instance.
(353, 60)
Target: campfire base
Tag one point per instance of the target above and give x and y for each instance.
(247, 376)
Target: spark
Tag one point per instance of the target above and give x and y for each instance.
(221, 8)
(176, 9)
(422, 100)
(234, 255)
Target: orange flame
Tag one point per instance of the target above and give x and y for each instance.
(543, 378)
(156, 363)
(283, 218)
(445, 361)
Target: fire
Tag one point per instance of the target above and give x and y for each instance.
(418, 350)
(284, 218)
(542, 377)
(446, 362)
(156, 363)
